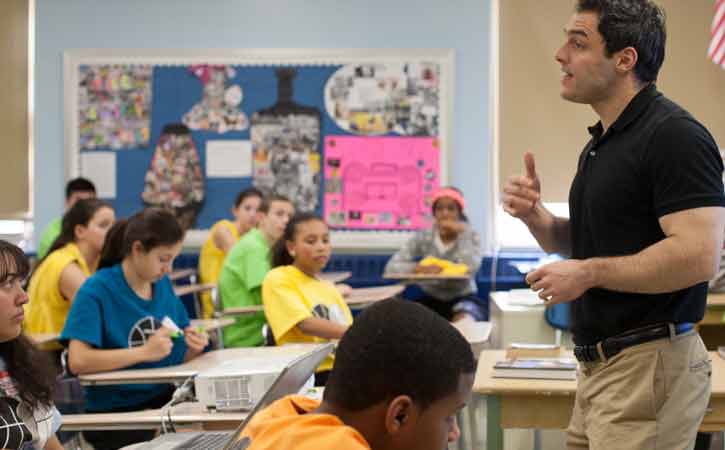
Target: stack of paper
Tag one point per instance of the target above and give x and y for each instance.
(541, 368)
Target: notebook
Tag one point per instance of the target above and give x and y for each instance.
(539, 368)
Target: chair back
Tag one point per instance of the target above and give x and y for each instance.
(559, 316)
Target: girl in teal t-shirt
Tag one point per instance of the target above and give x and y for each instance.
(115, 320)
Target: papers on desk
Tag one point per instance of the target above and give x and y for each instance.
(539, 368)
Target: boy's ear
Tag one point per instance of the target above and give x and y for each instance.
(401, 413)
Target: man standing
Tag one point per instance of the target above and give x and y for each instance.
(644, 236)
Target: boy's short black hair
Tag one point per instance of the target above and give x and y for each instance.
(632, 23)
(249, 192)
(79, 184)
(269, 199)
(397, 347)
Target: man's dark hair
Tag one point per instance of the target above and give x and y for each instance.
(79, 184)
(249, 192)
(632, 23)
(397, 347)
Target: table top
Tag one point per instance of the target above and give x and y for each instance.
(716, 299)
(181, 273)
(485, 384)
(363, 296)
(193, 288)
(424, 276)
(212, 324)
(183, 371)
(183, 414)
(335, 277)
(358, 298)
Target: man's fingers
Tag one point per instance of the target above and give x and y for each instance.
(521, 191)
(530, 165)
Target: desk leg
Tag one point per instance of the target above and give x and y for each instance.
(474, 413)
(494, 433)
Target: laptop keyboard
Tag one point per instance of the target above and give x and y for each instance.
(208, 441)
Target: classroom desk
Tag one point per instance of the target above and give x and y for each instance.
(193, 288)
(358, 299)
(335, 277)
(181, 273)
(361, 297)
(212, 324)
(547, 404)
(185, 414)
(43, 338)
(416, 277)
(177, 374)
(715, 310)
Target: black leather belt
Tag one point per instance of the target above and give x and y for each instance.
(615, 344)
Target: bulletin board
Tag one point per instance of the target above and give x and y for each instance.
(361, 137)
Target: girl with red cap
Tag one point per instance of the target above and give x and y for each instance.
(452, 239)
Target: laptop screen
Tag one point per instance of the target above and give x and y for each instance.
(292, 378)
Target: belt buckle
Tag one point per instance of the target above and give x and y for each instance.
(584, 353)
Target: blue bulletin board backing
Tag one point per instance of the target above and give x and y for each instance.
(175, 89)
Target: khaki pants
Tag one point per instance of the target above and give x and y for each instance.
(650, 396)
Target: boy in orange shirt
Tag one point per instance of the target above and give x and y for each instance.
(401, 374)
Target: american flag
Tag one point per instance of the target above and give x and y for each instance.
(716, 52)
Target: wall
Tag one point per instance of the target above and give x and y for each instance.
(533, 116)
(458, 24)
(15, 170)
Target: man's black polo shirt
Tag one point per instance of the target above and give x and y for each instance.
(654, 160)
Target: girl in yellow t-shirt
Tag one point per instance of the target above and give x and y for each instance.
(72, 258)
(299, 306)
(222, 237)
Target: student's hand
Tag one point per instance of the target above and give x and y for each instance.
(521, 193)
(196, 341)
(428, 269)
(159, 345)
(454, 432)
(344, 289)
(451, 227)
(561, 281)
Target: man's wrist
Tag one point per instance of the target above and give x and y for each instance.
(592, 272)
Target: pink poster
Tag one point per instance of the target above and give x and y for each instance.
(383, 183)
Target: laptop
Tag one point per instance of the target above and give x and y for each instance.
(292, 378)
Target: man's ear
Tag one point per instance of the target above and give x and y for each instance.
(627, 59)
(401, 412)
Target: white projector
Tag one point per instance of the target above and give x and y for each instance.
(239, 384)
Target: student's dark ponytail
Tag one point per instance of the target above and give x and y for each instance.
(152, 227)
(280, 255)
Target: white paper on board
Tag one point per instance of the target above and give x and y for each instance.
(228, 159)
(100, 168)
